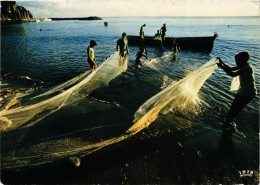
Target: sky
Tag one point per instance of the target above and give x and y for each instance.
(119, 8)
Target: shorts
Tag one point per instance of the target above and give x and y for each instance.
(163, 36)
(122, 53)
(138, 62)
(91, 64)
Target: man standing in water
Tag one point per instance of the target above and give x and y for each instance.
(122, 46)
(163, 31)
(142, 38)
(142, 31)
(91, 55)
(246, 91)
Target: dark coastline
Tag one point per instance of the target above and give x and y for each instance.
(78, 18)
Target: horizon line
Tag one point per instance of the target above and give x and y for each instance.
(157, 16)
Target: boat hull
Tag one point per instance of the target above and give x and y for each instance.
(185, 43)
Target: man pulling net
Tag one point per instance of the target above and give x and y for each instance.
(246, 91)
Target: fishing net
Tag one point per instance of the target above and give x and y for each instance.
(28, 110)
(72, 104)
(235, 84)
(39, 129)
(180, 95)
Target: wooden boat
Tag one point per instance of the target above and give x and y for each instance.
(190, 43)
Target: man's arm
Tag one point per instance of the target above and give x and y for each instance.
(145, 56)
(234, 68)
(228, 70)
(231, 73)
(226, 66)
(93, 60)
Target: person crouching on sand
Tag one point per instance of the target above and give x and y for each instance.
(246, 91)
(91, 55)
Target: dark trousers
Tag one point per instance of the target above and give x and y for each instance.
(142, 45)
(138, 62)
(163, 36)
(238, 104)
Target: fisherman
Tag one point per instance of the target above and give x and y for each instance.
(142, 31)
(142, 38)
(138, 56)
(91, 55)
(247, 88)
(163, 31)
(122, 46)
(175, 47)
(158, 34)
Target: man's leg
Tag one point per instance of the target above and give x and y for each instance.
(92, 66)
(143, 46)
(238, 105)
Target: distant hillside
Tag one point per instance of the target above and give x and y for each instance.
(78, 18)
(12, 13)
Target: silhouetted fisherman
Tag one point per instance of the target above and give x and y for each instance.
(142, 36)
(163, 31)
(246, 91)
(91, 55)
(122, 46)
(158, 33)
(142, 32)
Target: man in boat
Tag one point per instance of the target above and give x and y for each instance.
(163, 31)
(246, 90)
(139, 55)
(158, 34)
(91, 55)
(142, 32)
(122, 46)
(142, 38)
(175, 47)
